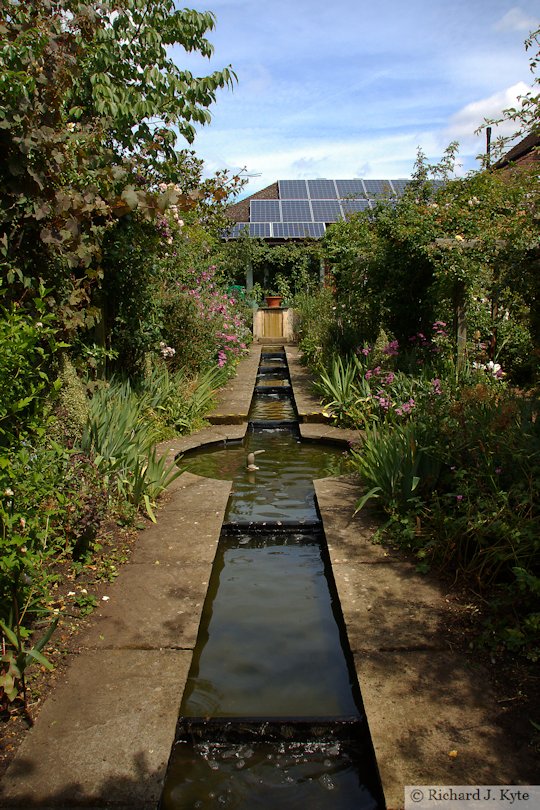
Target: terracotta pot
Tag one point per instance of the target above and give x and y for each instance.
(274, 301)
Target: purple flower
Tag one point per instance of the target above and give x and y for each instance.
(459, 497)
(392, 349)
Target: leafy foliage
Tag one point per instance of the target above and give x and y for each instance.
(91, 102)
(467, 247)
(26, 368)
(389, 463)
(122, 443)
(457, 474)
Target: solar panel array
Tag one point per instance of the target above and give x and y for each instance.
(278, 230)
(339, 189)
(306, 207)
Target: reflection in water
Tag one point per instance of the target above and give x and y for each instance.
(272, 381)
(282, 488)
(267, 626)
(272, 406)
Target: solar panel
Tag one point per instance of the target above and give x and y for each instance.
(263, 230)
(326, 210)
(400, 186)
(296, 211)
(292, 190)
(322, 189)
(233, 232)
(264, 210)
(350, 188)
(354, 206)
(298, 230)
(378, 188)
(260, 229)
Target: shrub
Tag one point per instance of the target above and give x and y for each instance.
(123, 444)
(71, 408)
(316, 327)
(393, 464)
(28, 339)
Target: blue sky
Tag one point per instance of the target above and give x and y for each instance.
(351, 88)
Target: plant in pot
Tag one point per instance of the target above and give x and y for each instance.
(273, 299)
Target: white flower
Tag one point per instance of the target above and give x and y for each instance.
(105, 598)
(70, 127)
(495, 369)
(8, 492)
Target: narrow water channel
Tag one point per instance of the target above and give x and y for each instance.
(271, 716)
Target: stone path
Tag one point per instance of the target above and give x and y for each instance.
(104, 736)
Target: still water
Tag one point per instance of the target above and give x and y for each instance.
(282, 487)
(268, 625)
(271, 644)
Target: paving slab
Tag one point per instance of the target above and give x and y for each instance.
(153, 607)
(349, 536)
(215, 434)
(234, 399)
(420, 707)
(104, 736)
(326, 433)
(422, 700)
(308, 403)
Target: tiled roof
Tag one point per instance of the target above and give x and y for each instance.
(525, 150)
(239, 212)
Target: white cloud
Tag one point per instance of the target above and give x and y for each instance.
(351, 89)
(385, 157)
(516, 20)
(463, 123)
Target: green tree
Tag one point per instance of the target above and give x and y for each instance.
(464, 249)
(90, 106)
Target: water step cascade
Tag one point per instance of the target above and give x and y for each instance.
(272, 714)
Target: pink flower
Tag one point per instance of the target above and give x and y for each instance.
(392, 349)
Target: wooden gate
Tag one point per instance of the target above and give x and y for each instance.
(272, 323)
